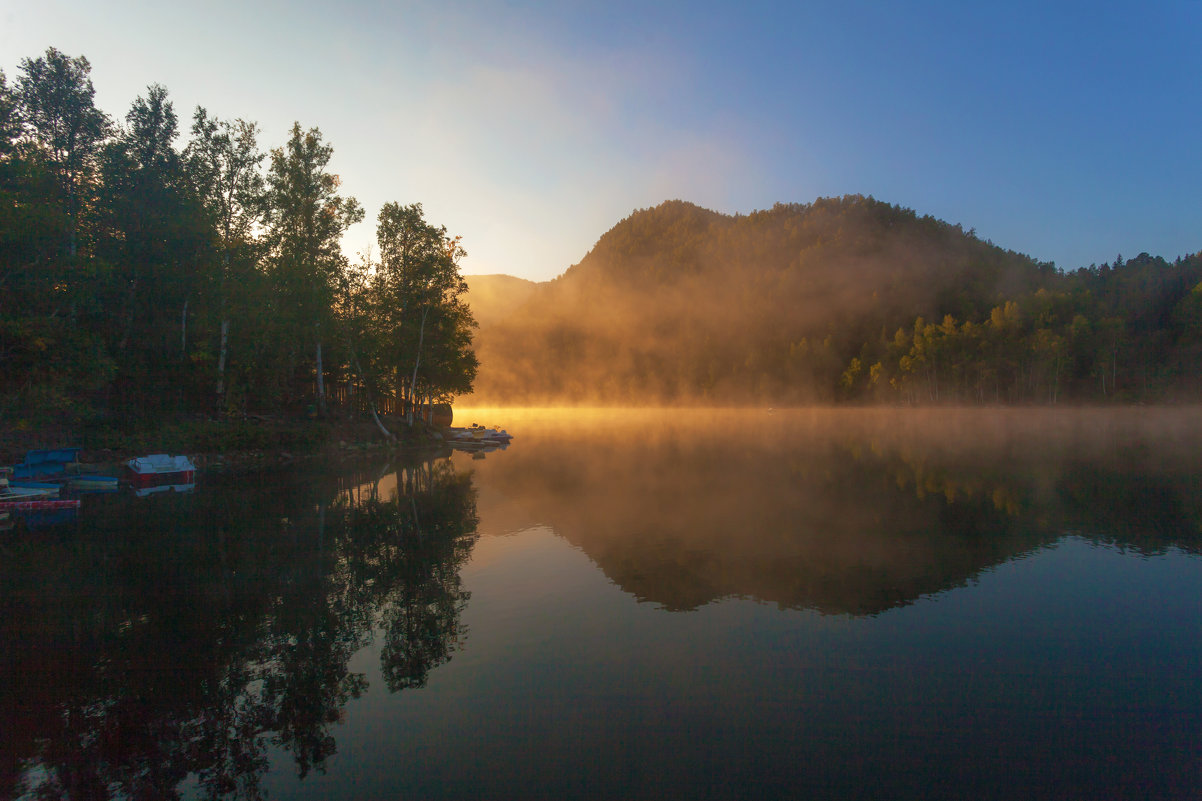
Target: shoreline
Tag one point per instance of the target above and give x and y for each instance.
(244, 444)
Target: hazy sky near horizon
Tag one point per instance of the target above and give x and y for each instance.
(1070, 131)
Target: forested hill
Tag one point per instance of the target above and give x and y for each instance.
(843, 299)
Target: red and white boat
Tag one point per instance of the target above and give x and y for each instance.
(159, 472)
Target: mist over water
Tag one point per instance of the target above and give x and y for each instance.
(816, 603)
(848, 511)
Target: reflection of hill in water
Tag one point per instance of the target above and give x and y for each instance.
(845, 512)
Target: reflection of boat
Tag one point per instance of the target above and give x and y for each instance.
(160, 470)
(38, 504)
(40, 513)
(142, 492)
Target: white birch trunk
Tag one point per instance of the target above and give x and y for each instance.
(321, 384)
(388, 435)
(183, 324)
(421, 338)
(221, 353)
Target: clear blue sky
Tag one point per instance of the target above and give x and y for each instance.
(1069, 131)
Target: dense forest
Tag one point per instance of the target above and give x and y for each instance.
(841, 300)
(143, 279)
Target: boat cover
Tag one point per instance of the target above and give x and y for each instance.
(160, 463)
(45, 463)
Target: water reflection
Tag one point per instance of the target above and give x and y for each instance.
(849, 512)
(178, 646)
(179, 638)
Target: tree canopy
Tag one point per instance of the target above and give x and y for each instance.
(141, 276)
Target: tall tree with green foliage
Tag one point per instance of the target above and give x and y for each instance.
(305, 218)
(50, 133)
(10, 120)
(157, 250)
(64, 127)
(223, 165)
(417, 290)
(131, 271)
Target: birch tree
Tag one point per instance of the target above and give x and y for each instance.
(305, 218)
(223, 161)
(417, 285)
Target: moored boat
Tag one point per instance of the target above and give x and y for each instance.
(475, 433)
(160, 470)
(23, 490)
(93, 483)
(45, 463)
(30, 489)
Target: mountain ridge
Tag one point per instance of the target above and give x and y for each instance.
(793, 303)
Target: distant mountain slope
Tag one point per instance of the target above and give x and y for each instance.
(679, 303)
(840, 299)
(492, 298)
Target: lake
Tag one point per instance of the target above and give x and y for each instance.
(633, 604)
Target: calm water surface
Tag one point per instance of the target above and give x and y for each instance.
(850, 604)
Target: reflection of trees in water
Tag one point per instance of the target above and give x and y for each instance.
(416, 555)
(1130, 499)
(686, 520)
(178, 640)
(848, 512)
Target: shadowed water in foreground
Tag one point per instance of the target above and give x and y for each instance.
(872, 604)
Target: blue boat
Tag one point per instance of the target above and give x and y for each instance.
(93, 483)
(45, 489)
(46, 464)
